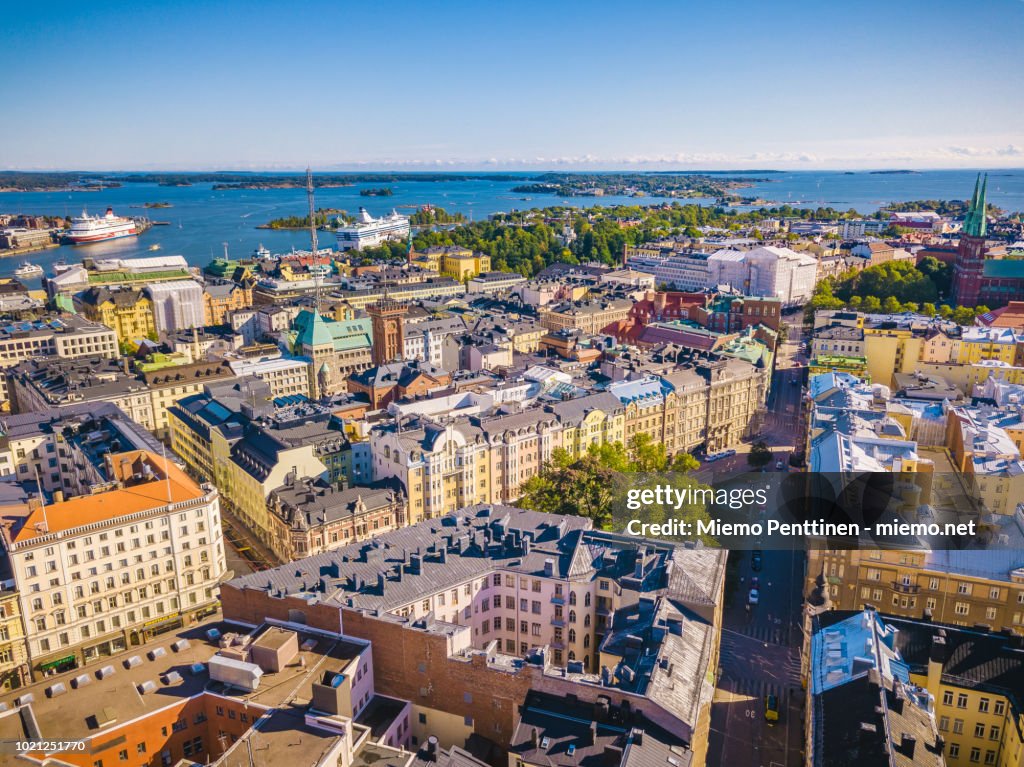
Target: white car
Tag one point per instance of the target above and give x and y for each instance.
(753, 597)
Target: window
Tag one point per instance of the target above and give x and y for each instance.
(975, 754)
(990, 757)
(1000, 707)
(958, 726)
(961, 700)
(954, 750)
(979, 730)
(994, 733)
(944, 724)
(983, 705)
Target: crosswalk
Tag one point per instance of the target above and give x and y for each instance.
(755, 688)
(735, 651)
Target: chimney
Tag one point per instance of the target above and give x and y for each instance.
(593, 733)
(907, 745)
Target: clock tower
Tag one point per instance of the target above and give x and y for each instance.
(386, 316)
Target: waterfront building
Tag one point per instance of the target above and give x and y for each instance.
(117, 272)
(99, 572)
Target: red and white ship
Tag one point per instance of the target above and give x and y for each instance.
(86, 228)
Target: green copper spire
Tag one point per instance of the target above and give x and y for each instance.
(982, 209)
(974, 221)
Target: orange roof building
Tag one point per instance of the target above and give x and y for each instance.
(140, 555)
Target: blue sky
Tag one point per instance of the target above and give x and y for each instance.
(339, 85)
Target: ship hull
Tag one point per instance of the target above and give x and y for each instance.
(85, 239)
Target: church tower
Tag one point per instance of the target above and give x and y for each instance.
(386, 316)
(969, 266)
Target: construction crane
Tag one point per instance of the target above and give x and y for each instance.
(312, 237)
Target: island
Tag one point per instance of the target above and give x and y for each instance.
(685, 185)
(379, 192)
(326, 218)
(157, 205)
(428, 215)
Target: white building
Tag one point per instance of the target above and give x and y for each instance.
(177, 305)
(284, 375)
(765, 271)
(97, 573)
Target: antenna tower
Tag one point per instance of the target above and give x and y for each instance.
(312, 237)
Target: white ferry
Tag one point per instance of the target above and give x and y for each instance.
(86, 228)
(368, 231)
(28, 270)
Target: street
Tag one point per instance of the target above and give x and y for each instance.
(760, 656)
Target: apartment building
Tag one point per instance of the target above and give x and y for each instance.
(286, 376)
(315, 516)
(454, 606)
(66, 335)
(14, 664)
(862, 707)
(100, 572)
(126, 311)
(963, 588)
(464, 460)
(587, 317)
(222, 298)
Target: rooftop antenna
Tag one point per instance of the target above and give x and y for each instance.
(42, 498)
(312, 237)
(167, 472)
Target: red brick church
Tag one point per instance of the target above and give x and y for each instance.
(980, 277)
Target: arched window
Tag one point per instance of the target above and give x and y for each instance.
(586, 661)
(572, 636)
(572, 597)
(572, 655)
(572, 616)
(586, 640)
(586, 599)
(586, 619)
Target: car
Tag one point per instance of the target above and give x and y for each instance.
(779, 466)
(755, 561)
(755, 582)
(753, 597)
(771, 708)
(728, 453)
(711, 457)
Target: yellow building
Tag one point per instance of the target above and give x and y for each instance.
(128, 312)
(981, 344)
(219, 299)
(14, 666)
(452, 261)
(976, 679)
(964, 588)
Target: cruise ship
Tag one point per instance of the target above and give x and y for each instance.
(368, 231)
(86, 228)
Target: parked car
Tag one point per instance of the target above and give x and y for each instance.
(727, 453)
(755, 582)
(755, 561)
(753, 597)
(779, 466)
(771, 708)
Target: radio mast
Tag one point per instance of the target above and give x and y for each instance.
(312, 237)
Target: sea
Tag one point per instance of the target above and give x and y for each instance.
(202, 223)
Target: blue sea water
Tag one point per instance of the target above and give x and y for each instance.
(201, 220)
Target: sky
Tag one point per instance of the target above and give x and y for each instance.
(717, 84)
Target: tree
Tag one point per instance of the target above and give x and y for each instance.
(855, 302)
(963, 315)
(928, 309)
(871, 304)
(760, 455)
(945, 311)
(909, 306)
(891, 305)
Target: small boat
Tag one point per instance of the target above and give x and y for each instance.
(59, 267)
(154, 247)
(28, 270)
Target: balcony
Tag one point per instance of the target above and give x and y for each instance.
(557, 622)
(557, 600)
(905, 588)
